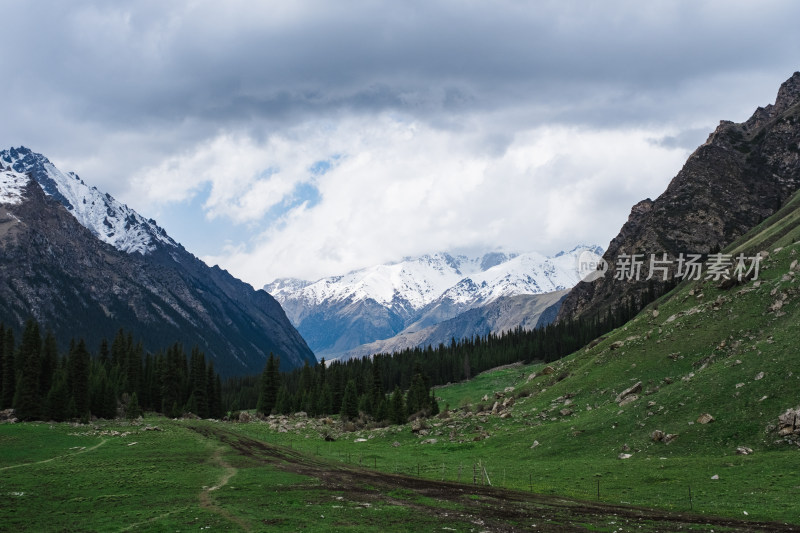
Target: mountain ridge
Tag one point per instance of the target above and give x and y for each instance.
(339, 313)
(58, 270)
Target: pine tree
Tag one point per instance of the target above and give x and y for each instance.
(9, 370)
(397, 411)
(58, 398)
(134, 411)
(49, 363)
(78, 374)
(27, 400)
(349, 408)
(198, 378)
(2, 360)
(270, 384)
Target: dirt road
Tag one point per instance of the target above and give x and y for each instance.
(490, 509)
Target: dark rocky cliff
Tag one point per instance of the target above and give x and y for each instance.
(739, 176)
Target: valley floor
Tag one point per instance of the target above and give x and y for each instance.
(165, 475)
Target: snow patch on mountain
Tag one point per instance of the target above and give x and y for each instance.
(12, 185)
(416, 282)
(110, 220)
(419, 282)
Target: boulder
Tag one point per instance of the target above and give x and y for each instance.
(428, 441)
(565, 412)
(546, 371)
(535, 444)
(624, 456)
(634, 389)
(657, 435)
(244, 416)
(789, 423)
(669, 437)
(705, 418)
(628, 399)
(508, 402)
(743, 450)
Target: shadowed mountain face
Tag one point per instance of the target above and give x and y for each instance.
(81, 284)
(742, 174)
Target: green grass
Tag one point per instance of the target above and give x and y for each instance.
(699, 352)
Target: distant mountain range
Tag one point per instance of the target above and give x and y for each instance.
(341, 316)
(85, 265)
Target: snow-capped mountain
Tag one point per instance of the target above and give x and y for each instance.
(12, 186)
(110, 220)
(339, 313)
(85, 265)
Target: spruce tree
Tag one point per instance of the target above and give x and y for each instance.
(78, 373)
(49, 363)
(58, 398)
(397, 411)
(349, 408)
(27, 399)
(270, 384)
(9, 369)
(2, 360)
(134, 411)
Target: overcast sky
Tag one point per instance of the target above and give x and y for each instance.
(305, 139)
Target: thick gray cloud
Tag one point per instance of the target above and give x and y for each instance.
(120, 91)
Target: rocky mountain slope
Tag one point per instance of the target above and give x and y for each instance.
(527, 311)
(85, 265)
(336, 315)
(742, 174)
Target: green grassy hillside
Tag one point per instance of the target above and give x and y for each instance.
(702, 349)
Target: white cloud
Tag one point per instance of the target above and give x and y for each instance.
(403, 188)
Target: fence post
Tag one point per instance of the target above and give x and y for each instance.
(691, 503)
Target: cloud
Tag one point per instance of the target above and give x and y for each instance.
(446, 124)
(400, 187)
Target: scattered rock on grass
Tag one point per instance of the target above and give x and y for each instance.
(705, 418)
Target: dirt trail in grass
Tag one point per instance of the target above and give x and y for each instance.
(84, 450)
(205, 495)
(492, 509)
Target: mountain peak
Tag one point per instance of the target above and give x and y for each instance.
(788, 94)
(110, 220)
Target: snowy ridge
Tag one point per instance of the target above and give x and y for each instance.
(12, 185)
(530, 273)
(422, 281)
(110, 220)
(417, 282)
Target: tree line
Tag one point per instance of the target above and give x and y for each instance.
(391, 387)
(117, 380)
